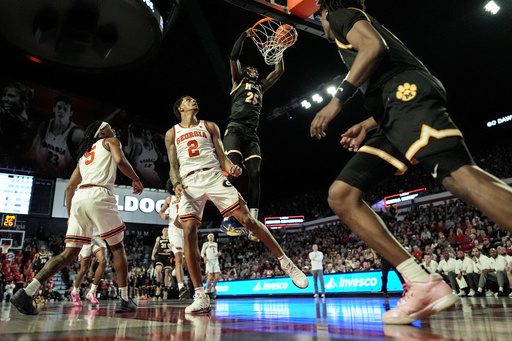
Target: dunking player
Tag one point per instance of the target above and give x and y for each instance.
(196, 155)
(175, 238)
(414, 127)
(92, 206)
(241, 142)
(162, 255)
(210, 253)
(97, 249)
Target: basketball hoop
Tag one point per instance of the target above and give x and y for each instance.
(5, 248)
(264, 34)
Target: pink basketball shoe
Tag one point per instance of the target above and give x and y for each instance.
(421, 299)
(76, 300)
(92, 298)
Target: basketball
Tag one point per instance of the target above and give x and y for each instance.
(286, 35)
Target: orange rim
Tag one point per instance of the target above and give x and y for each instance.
(254, 27)
(261, 21)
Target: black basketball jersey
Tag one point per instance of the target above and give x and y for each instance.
(397, 59)
(246, 103)
(42, 260)
(163, 244)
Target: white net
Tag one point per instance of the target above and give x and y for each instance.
(5, 248)
(272, 38)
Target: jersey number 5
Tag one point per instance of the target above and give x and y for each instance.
(88, 155)
(192, 148)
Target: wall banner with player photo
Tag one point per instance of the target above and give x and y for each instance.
(41, 128)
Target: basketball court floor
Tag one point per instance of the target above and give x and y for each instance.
(352, 318)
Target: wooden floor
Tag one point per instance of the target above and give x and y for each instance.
(353, 318)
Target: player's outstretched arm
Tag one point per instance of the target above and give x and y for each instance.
(122, 163)
(155, 248)
(354, 136)
(234, 63)
(165, 206)
(370, 47)
(73, 183)
(225, 163)
(272, 77)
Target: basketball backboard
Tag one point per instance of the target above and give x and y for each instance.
(15, 237)
(278, 9)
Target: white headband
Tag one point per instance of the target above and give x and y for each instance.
(102, 125)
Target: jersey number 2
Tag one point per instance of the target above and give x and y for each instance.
(192, 148)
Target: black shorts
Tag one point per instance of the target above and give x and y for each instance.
(164, 261)
(415, 128)
(243, 141)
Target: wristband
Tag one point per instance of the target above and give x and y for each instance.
(345, 91)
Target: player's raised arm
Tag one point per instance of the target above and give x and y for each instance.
(234, 63)
(272, 77)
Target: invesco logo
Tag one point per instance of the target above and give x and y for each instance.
(222, 288)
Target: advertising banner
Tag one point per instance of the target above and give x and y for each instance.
(354, 282)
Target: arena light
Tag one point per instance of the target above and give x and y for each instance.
(305, 104)
(317, 98)
(492, 7)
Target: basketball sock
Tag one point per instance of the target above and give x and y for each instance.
(93, 289)
(32, 288)
(284, 261)
(180, 285)
(413, 271)
(124, 293)
(255, 212)
(76, 291)
(200, 291)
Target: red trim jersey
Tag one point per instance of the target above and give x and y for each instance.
(97, 166)
(194, 148)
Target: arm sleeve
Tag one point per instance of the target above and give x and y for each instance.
(237, 48)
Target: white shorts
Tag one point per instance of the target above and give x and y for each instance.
(88, 250)
(91, 208)
(207, 185)
(212, 266)
(176, 238)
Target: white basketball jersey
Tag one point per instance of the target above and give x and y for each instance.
(97, 166)
(194, 148)
(212, 251)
